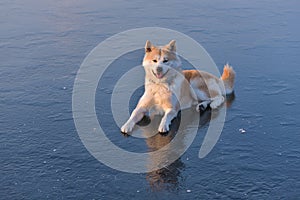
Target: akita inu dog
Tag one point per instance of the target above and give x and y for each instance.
(169, 89)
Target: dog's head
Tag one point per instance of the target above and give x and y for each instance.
(161, 62)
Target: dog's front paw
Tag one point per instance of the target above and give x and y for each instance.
(163, 127)
(127, 127)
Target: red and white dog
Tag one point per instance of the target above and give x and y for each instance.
(169, 89)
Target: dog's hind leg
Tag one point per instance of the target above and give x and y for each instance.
(216, 101)
(202, 98)
(203, 105)
(215, 94)
(212, 102)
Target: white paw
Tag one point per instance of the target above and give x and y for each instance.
(216, 102)
(127, 127)
(163, 127)
(201, 106)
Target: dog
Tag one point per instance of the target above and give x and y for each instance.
(169, 89)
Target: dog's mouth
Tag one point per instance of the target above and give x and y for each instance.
(160, 75)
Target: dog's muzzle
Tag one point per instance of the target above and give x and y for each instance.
(159, 69)
(159, 73)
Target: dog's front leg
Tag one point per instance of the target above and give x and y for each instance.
(166, 120)
(137, 114)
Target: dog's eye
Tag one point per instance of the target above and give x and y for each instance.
(165, 60)
(154, 61)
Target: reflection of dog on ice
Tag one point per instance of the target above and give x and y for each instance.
(168, 177)
(168, 89)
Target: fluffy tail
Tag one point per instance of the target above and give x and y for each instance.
(228, 77)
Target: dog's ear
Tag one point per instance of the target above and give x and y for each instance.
(148, 46)
(171, 46)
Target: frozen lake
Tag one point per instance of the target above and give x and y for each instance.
(42, 45)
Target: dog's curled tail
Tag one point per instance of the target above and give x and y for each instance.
(228, 77)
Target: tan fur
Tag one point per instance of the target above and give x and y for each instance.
(169, 89)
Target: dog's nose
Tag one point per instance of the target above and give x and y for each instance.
(159, 69)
